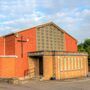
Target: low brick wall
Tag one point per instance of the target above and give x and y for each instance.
(7, 66)
(61, 65)
(71, 66)
(65, 65)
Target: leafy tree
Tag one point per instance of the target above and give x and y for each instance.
(81, 47)
(85, 47)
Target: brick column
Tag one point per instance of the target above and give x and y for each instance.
(47, 67)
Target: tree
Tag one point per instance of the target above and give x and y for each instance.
(81, 47)
(85, 47)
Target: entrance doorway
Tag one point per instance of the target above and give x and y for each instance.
(40, 66)
(36, 66)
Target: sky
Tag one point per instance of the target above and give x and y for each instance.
(71, 15)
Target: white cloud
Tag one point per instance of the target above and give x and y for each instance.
(86, 12)
(68, 14)
(36, 16)
(6, 29)
(61, 14)
(76, 22)
(2, 16)
(17, 7)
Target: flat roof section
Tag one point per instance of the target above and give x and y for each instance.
(56, 53)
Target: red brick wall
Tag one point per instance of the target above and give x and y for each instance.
(70, 43)
(7, 67)
(10, 45)
(22, 62)
(1, 46)
(13, 47)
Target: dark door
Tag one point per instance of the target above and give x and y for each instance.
(41, 66)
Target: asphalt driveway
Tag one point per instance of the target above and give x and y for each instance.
(49, 85)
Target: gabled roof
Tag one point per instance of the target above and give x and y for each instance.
(55, 26)
(49, 23)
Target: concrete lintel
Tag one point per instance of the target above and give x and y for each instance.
(46, 53)
(8, 56)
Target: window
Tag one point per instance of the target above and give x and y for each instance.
(75, 63)
(61, 64)
(69, 66)
(81, 63)
(65, 64)
(72, 63)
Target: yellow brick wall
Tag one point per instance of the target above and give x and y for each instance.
(32, 67)
(48, 67)
(71, 66)
(63, 66)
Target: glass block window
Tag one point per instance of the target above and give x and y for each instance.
(52, 37)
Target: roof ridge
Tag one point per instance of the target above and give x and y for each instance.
(40, 25)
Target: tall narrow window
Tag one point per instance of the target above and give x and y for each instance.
(69, 64)
(65, 64)
(72, 63)
(61, 64)
(75, 61)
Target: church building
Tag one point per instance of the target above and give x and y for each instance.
(44, 51)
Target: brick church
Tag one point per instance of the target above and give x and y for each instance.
(43, 51)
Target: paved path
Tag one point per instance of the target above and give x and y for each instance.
(50, 85)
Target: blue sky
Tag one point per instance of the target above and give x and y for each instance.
(71, 15)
